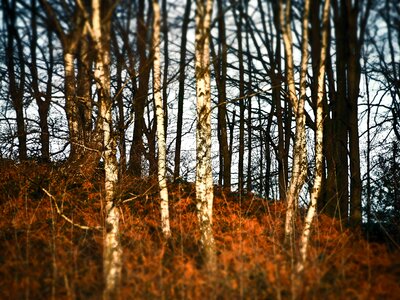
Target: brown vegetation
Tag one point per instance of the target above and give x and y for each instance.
(44, 256)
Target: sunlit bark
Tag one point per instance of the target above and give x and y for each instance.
(299, 168)
(112, 252)
(319, 133)
(162, 180)
(204, 180)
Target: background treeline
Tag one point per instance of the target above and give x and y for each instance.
(50, 110)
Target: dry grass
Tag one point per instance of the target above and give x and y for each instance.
(45, 257)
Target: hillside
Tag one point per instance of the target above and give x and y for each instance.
(44, 256)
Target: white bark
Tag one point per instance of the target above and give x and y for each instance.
(204, 180)
(299, 169)
(162, 180)
(112, 252)
(319, 121)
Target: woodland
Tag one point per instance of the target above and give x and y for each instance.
(228, 149)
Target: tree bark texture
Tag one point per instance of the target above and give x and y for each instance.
(299, 168)
(319, 138)
(204, 179)
(112, 252)
(162, 157)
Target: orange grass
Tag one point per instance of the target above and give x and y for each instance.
(45, 257)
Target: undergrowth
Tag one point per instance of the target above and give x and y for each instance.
(45, 257)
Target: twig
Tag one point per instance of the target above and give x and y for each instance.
(137, 196)
(84, 227)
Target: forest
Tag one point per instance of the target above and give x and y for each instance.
(229, 149)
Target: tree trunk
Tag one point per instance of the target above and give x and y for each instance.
(204, 180)
(181, 90)
(221, 73)
(283, 114)
(121, 110)
(137, 149)
(299, 168)
(249, 181)
(16, 89)
(162, 173)
(112, 252)
(70, 104)
(42, 99)
(340, 116)
(83, 91)
(328, 202)
(356, 41)
(238, 21)
(319, 137)
(165, 30)
(85, 141)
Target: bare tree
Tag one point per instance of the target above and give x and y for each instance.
(162, 172)
(112, 253)
(299, 168)
(220, 68)
(238, 16)
(204, 180)
(181, 89)
(137, 151)
(16, 81)
(319, 133)
(43, 99)
(85, 139)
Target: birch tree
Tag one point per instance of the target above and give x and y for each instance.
(204, 180)
(112, 252)
(299, 168)
(319, 137)
(162, 180)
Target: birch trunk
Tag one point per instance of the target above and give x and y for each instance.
(299, 169)
(162, 180)
(319, 134)
(112, 252)
(204, 180)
